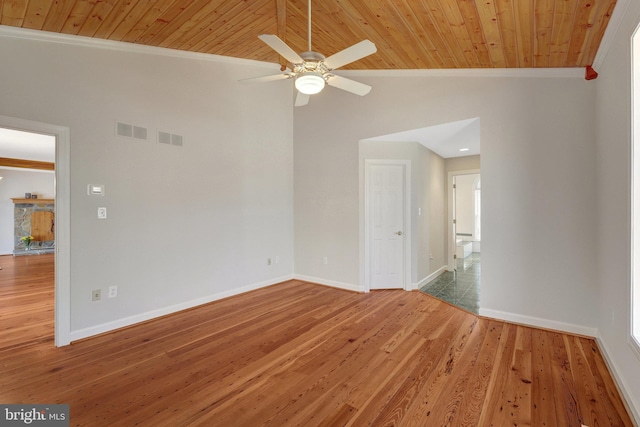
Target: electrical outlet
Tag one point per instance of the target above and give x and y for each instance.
(102, 213)
(113, 291)
(268, 261)
(277, 260)
(325, 260)
(96, 295)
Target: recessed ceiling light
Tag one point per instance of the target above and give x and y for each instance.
(464, 149)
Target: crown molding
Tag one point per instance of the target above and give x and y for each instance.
(46, 36)
(472, 72)
(613, 26)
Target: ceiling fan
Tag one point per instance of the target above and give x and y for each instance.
(311, 70)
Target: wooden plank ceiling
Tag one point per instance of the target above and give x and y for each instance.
(409, 34)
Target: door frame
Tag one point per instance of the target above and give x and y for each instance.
(62, 278)
(451, 210)
(406, 276)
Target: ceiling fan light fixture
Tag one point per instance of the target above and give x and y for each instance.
(310, 82)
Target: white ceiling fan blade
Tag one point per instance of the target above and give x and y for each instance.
(350, 54)
(266, 78)
(281, 47)
(301, 99)
(349, 85)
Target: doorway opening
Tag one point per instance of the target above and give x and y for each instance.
(432, 151)
(460, 284)
(27, 164)
(60, 195)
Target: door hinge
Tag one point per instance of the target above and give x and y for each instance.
(454, 221)
(455, 256)
(454, 186)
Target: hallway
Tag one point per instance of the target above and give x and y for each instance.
(461, 288)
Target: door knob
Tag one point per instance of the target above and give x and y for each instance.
(399, 233)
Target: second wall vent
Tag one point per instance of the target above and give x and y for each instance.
(164, 137)
(169, 138)
(176, 140)
(139, 132)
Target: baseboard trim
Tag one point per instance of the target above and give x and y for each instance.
(332, 283)
(430, 277)
(539, 322)
(143, 317)
(620, 383)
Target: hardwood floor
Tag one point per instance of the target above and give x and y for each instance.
(26, 302)
(301, 354)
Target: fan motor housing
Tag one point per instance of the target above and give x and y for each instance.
(313, 61)
(312, 56)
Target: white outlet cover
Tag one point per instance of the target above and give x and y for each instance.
(113, 291)
(102, 213)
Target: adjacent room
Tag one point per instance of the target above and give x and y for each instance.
(245, 200)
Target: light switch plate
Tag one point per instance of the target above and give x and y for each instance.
(95, 190)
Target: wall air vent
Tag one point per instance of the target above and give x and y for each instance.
(164, 137)
(140, 132)
(169, 138)
(123, 129)
(176, 140)
(131, 131)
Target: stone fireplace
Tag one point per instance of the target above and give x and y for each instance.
(34, 217)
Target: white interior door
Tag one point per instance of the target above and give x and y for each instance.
(386, 194)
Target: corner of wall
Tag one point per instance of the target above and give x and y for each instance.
(334, 284)
(623, 388)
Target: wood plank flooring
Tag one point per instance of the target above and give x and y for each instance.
(299, 354)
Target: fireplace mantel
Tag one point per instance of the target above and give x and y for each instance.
(33, 201)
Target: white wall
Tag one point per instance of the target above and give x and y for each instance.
(435, 206)
(185, 225)
(538, 161)
(462, 163)
(613, 113)
(14, 184)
